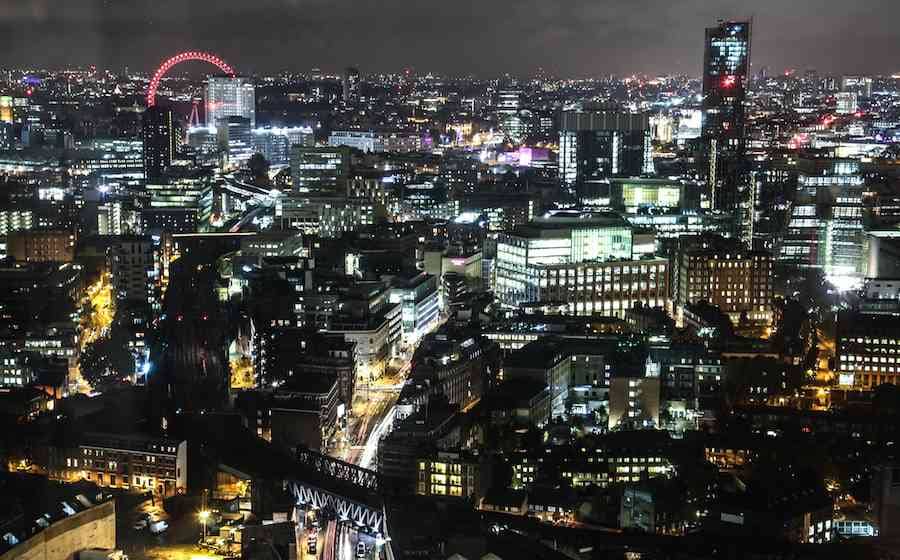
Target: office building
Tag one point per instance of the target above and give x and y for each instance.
(178, 192)
(556, 238)
(41, 246)
(883, 252)
(454, 364)
(156, 221)
(724, 274)
(15, 373)
(275, 143)
(350, 85)
(866, 350)
(846, 102)
(607, 288)
(304, 412)
(159, 140)
(602, 144)
(662, 196)
(16, 217)
(885, 492)
(235, 138)
(546, 360)
(726, 66)
(325, 216)
(860, 85)
(417, 293)
(230, 97)
(117, 217)
(371, 141)
(826, 229)
(322, 171)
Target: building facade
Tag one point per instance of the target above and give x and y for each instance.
(130, 462)
(228, 96)
(602, 144)
(726, 67)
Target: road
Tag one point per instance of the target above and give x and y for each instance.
(371, 418)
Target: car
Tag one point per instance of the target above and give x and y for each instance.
(140, 525)
(360, 550)
(158, 527)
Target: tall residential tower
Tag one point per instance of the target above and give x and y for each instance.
(159, 140)
(726, 67)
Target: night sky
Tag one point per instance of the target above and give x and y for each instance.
(484, 37)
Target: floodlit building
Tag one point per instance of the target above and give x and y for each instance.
(557, 238)
(826, 229)
(228, 96)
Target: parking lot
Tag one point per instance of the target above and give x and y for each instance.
(177, 542)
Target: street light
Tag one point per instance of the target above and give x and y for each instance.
(204, 516)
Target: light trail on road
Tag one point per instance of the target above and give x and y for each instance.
(368, 455)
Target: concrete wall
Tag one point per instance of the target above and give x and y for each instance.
(94, 528)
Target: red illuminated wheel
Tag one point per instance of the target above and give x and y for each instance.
(178, 59)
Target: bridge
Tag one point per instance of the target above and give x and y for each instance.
(352, 492)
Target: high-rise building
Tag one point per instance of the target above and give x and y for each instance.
(323, 171)
(860, 85)
(602, 144)
(350, 84)
(230, 97)
(826, 229)
(275, 143)
(726, 65)
(846, 102)
(133, 266)
(159, 138)
(235, 138)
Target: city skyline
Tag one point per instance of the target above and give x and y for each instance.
(396, 281)
(572, 40)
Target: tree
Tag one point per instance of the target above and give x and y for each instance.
(107, 360)
(259, 168)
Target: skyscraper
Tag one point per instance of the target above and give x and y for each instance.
(602, 144)
(726, 66)
(158, 135)
(230, 97)
(351, 84)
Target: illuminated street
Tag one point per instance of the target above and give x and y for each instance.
(372, 414)
(99, 301)
(102, 311)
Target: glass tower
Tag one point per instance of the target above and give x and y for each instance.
(726, 66)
